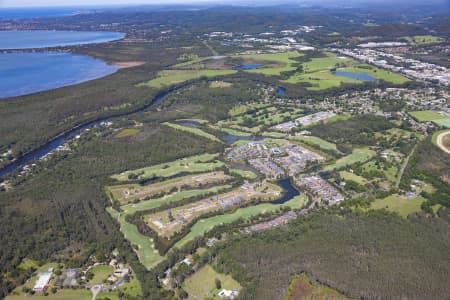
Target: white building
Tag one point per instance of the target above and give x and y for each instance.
(42, 281)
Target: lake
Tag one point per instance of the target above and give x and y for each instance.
(357, 76)
(248, 67)
(26, 73)
(30, 39)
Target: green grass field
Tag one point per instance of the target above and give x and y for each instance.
(204, 225)
(317, 72)
(315, 141)
(244, 173)
(193, 164)
(282, 62)
(27, 263)
(242, 109)
(101, 273)
(175, 197)
(350, 176)
(168, 78)
(63, 294)
(193, 130)
(390, 173)
(201, 285)
(443, 122)
(425, 115)
(146, 252)
(399, 204)
(127, 132)
(423, 39)
(358, 155)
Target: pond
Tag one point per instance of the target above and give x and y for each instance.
(357, 76)
(281, 91)
(190, 123)
(289, 191)
(248, 67)
(231, 138)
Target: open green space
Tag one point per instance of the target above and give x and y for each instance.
(244, 173)
(389, 172)
(168, 78)
(315, 141)
(423, 39)
(351, 176)
(204, 225)
(127, 132)
(201, 284)
(399, 204)
(100, 273)
(357, 156)
(143, 245)
(301, 288)
(193, 130)
(27, 263)
(244, 108)
(174, 197)
(319, 72)
(193, 164)
(425, 115)
(62, 294)
(282, 62)
(443, 122)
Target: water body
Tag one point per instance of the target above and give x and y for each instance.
(71, 133)
(34, 12)
(32, 39)
(248, 67)
(289, 191)
(26, 73)
(281, 91)
(357, 76)
(231, 138)
(190, 123)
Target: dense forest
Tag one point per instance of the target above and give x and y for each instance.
(374, 255)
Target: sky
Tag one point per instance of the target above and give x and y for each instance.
(42, 3)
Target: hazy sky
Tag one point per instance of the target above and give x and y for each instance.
(40, 3)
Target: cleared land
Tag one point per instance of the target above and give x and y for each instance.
(193, 164)
(127, 132)
(142, 245)
(193, 130)
(443, 122)
(128, 193)
(205, 225)
(350, 176)
(315, 141)
(276, 62)
(301, 288)
(166, 223)
(423, 39)
(358, 155)
(399, 204)
(319, 72)
(201, 285)
(168, 78)
(426, 115)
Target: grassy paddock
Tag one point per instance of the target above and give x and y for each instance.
(204, 225)
(357, 156)
(193, 164)
(425, 115)
(399, 204)
(193, 130)
(201, 285)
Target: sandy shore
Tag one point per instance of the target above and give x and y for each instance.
(128, 64)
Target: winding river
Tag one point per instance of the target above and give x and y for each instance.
(71, 133)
